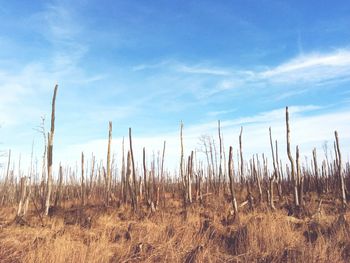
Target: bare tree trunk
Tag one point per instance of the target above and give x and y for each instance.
(318, 185)
(162, 174)
(133, 173)
(147, 201)
(232, 190)
(109, 175)
(92, 175)
(49, 153)
(4, 189)
(241, 155)
(59, 188)
(300, 179)
(293, 177)
(189, 178)
(279, 174)
(181, 166)
(220, 164)
(129, 178)
(274, 176)
(23, 188)
(124, 188)
(82, 181)
(340, 170)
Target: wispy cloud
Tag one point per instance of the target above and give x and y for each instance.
(316, 67)
(202, 70)
(313, 69)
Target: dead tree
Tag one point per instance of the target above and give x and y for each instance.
(49, 153)
(4, 189)
(274, 176)
(133, 173)
(147, 201)
(129, 178)
(109, 175)
(232, 190)
(181, 166)
(189, 177)
(241, 156)
(279, 174)
(220, 164)
(92, 175)
(23, 193)
(59, 188)
(124, 185)
(82, 181)
(300, 179)
(340, 170)
(293, 177)
(317, 183)
(162, 173)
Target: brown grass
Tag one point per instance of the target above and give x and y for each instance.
(200, 234)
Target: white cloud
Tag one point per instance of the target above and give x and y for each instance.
(202, 70)
(311, 68)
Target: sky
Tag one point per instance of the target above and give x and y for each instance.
(150, 64)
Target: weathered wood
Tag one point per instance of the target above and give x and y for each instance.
(293, 177)
(340, 171)
(232, 190)
(109, 175)
(49, 153)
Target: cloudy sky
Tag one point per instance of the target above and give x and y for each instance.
(150, 64)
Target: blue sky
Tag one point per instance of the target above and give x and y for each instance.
(149, 64)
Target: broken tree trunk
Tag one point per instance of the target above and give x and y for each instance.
(293, 177)
(49, 153)
(340, 171)
(230, 174)
(82, 181)
(133, 173)
(109, 175)
(241, 155)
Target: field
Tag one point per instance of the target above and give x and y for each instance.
(213, 211)
(201, 233)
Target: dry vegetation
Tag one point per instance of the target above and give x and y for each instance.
(217, 211)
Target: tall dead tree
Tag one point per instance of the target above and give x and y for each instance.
(49, 153)
(293, 177)
(340, 170)
(109, 174)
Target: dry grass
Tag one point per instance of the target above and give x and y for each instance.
(201, 234)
